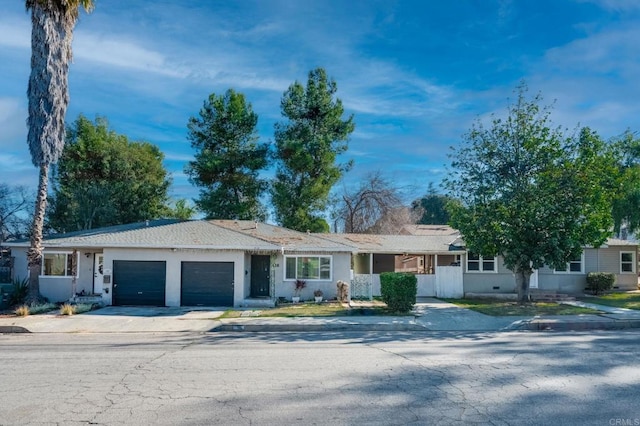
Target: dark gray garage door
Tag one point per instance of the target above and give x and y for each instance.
(139, 282)
(207, 284)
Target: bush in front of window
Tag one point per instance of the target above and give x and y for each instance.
(599, 282)
(398, 290)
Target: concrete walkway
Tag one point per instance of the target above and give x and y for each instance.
(428, 315)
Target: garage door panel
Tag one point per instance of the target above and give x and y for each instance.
(139, 282)
(207, 284)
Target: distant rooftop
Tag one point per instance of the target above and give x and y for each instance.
(415, 229)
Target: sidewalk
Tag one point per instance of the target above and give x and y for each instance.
(428, 315)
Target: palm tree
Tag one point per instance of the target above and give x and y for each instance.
(52, 24)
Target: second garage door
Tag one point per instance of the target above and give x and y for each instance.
(207, 284)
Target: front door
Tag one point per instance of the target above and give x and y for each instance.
(98, 273)
(260, 275)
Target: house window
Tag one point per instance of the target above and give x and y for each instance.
(627, 262)
(477, 263)
(574, 266)
(57, 265)
(307, 268)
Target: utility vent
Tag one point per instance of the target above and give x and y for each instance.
(496, 287)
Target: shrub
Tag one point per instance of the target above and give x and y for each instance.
(598, 282)
(67, 309)
(40, 308)
(22, 311)
(19, 292)
(398, 290)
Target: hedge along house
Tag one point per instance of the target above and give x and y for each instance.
(489, 275)
(186, 263)
(434, 259)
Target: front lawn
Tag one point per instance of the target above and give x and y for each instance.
(618, 300)
(311, 309)
(499, 308)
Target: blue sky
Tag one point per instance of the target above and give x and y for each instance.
(415, 74)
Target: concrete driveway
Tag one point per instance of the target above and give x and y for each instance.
(120, 319)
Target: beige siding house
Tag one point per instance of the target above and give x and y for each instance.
(619, 257)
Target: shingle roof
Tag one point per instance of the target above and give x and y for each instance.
(618, 242)
(414, 244)
(172, 234)
(288, 239)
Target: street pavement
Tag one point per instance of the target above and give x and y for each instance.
(428, 315)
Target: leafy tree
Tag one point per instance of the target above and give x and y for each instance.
(15, 204)
(528, 193)
(229, 158)
(52, 24)
(626, 206)
(181, 210)
(103, 179)
(432, 208)
(307, 145)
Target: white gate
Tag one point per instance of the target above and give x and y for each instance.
(426, 285)
(449, 282)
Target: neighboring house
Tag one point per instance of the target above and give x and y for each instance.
(187, 263)
(489, 275)
(432, 252)
(435, 259)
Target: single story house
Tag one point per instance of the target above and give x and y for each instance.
(244, 263)
(187, 263)
(435, 259)
(444, 268)
(490, 275)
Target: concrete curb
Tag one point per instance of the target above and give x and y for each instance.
(559, 325)
(304, 328)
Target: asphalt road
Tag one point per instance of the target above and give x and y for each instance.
(314, 378)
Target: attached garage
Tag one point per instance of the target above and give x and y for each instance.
(207, 284)
(139, 282)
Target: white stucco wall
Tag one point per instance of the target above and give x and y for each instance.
(174, 259)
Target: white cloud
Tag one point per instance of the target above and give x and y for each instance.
(123, 53)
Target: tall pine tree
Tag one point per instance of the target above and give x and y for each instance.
(307, 145)
(228, 159)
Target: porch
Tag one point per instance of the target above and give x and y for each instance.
(437, 274)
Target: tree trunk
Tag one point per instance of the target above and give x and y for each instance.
(34, 255)
(523, 277)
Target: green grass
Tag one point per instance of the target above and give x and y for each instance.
(499, 308)
(618, 300)
(313, 310)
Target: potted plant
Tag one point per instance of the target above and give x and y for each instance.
(298, 285)
(318, 295)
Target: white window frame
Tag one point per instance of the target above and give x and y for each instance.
(297, 256)
(633, 262)
(481, 260)
(568, 266)
(66, 260)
